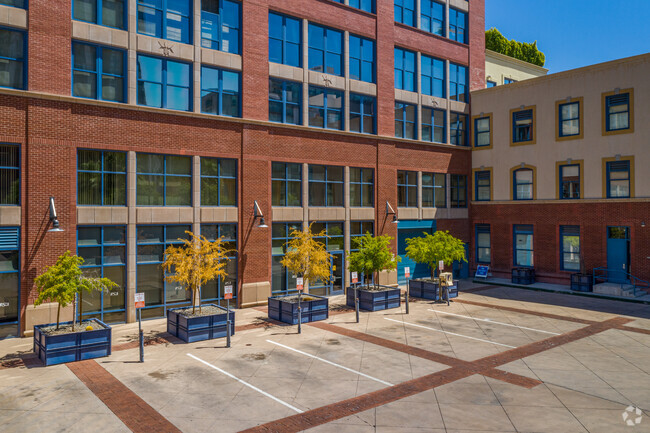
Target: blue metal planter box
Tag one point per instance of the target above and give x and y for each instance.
(425, 289)
(453, 291)
(375, 300)
(287, 312)
(75, 346)
(191, 329)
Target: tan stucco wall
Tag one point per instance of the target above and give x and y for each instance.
(499, 66)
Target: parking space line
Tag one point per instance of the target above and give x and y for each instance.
(331, 363)
(246, 383)
(451, 333)
(495, 322)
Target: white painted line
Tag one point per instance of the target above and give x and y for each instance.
(246, 383)
(331, 363)
(451, 333)
(492, 321)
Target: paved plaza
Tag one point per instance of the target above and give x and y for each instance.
(497, 359)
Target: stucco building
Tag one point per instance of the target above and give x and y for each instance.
(501, 69)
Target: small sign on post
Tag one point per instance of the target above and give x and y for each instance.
(407, 272)
(227, 291)
(299, 283)
(139, 300)
(441, 265)
(355, 278)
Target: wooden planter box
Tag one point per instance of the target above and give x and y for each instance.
(371, 300)
(191, 329)
(287, 312)
(426, 289)
(523, 276)
(581, 282)
(75, 346)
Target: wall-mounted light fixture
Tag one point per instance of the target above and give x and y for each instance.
(258, 214)
(391, 211)
(54, 219)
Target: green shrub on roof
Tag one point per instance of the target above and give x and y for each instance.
(495, 41)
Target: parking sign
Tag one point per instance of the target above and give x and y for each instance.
(139, 300)
(227, 291)
(299, 283)
(407, 272)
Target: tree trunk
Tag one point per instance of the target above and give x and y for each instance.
(58, 315)
(433, 272)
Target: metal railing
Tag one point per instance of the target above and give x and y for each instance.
(604, 275)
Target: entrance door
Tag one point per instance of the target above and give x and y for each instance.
(618, 254)
(460, 268)
(335, 286)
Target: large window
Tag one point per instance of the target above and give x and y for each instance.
(220, 92)
(523, 245)
(433, 125)
(9, 174)
(618, 179)
(405, 120)
(282, 281)
(334, 233)
(457, 25)
(167, 19)
(101, 178)
(483, 244)
(362, 59)
(218, 182)
(14, 3)
(482, 132)
(457, 82)
(9, 281)
(220, 24)
(458, 190)
(212, 291)
(362, 113)
(522, 126)
(285, 101)
(286, 181)
(570, 248)
(325, 108)
(570, 181)
(433, 76)
(325, 185)
(325, 50)
(458, 129)
(98, 72)
(111, 13)
(522, 184)
(164, 83)
(617, 116)
(362, 187)
(359, 229)
(13, 61)
(404, 69)
(163, 180)
(103, 249)
(482, 185)
(407, 188)
(434, 190)
(432, 17)
(405, 12)
(569, 119)
(285, 39)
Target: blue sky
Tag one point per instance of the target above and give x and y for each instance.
(574, 33)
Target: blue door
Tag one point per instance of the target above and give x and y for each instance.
(618, 254)
(460, 268)
(406, 230)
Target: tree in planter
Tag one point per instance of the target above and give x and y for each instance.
(63, 280)
(194, 263)
(373, 256)
(306, 257)
(431, 249)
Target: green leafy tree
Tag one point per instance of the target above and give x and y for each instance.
(525, 51)
(307, 257)
(430, 249)
(63, 280)
(373, 256)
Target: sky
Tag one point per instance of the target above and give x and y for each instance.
(574, 33)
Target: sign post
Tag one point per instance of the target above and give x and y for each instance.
(139, 304)
(227, 293)
(299, 287)
(355, 279)
(407, 274)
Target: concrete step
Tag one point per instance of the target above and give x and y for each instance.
(617, 289)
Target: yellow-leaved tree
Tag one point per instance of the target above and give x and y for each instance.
(306, 257)
(194, 263)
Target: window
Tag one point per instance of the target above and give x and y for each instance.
(220, 24)
(152, 241)
(213, 290)
(482, 132)
(163, 180)
(433, 76)
(405, 120)
(325, 108)
(9, 174)
(618, 179)
(325, 50)
(458, 190)
(9, 281)
(490, 83)
(98, 72)
(362, 185)
(570, 181)
(523, 248)
(282, 282)
(362, 113)
(285, 101)
(405, 12)
(433, 125)
(219, 92)
(334, 233)
(522, 126)
(285, 40)
(457, 82)
(13, 62)
(523, 184)
(434, 190)
(483, 245)
(101, 178)
(617, 115)
(16, 3)
(407, 188)
(404, 69)
(457, 26)
(286, 181)
(569, 119)
(570, 248)
(357, 230)
(362, 59)
(109, 13)
(104, 250)
(364, 5)
(167, 19)
(164, 83)
(483, 188)
(325, 185)
(432, 17)
(458, 129)
(509, 81)
(218, 182)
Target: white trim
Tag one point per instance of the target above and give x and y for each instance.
(496, 323)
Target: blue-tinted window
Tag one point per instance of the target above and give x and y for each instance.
(618, 111)
(325, 185)
(570, 248)
(405, 120)
(101, 178)
(220, 91)
(407, 188)
(434, 190)
(286, 184)
(9, 174)
(364, 5)
(167, 19)
(404, 69)
(10, 279)
(570, 181)
(457, 82)
(98, 72)
(218, 182)
(405, 12)
(212, 291)
(15, 3)
(282, 280)
(111, 13)
(285, 39)
(482, 132)
(285, 101)
(325, 108)
(13, 61)
(433, 125)
(164, 83)
(362, 183)
(458, 129)
(362, 59)
(432, 17)
(569, 119)
(482, 190)
(483, 244)
(509, 81)
(522, 126)
(457, 25)
(522, 184)
(489, 84)
(433, 76)
(163, 180)
(363, 113)
(325, 50)
(458, 190)
(220, 25)
(523, 245)
(618, 179)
